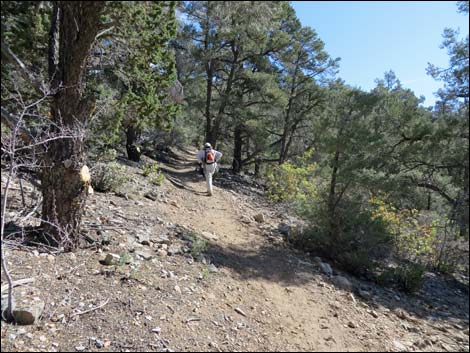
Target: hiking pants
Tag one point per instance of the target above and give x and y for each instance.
(209, 170)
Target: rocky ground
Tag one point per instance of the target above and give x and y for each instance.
(249, 291)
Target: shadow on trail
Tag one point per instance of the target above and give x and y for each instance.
(445, 304)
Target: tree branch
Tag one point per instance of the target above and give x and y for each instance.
(8, 55)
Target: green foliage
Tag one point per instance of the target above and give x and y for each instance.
(292, 183)
(354, 238)
(153, 173)
(408, 278)
(108, 177)
(198, 245)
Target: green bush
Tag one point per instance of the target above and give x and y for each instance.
(408, 278)
(108, 177)
(198, 245)
(153, 173)
(290, 182)
(354, 239)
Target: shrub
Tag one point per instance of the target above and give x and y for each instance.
(108, 177)
(153, 173)
(408, 278)
(290, 182)
(354, 239)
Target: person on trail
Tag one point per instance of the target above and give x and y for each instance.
(208, 158)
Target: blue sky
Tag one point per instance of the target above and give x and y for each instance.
(372, 37)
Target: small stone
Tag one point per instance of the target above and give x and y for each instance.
(212, 268)
(209, 236)
(177, 289)
(162, 253)
(343, 283)
(99, 343)
(42, 338)
(259, 218)
(174, 203)
(326, 268)
(374, 314)
(352, 324)
(157, 330)
(145, 254)
(245, 219)
(51, 258)
(80, 348)
(399, 346)
(364, 294)
(111, 259)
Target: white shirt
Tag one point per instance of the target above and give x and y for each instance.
(201, 154)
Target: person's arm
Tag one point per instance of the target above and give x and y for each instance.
(218, 155)
(199, 157)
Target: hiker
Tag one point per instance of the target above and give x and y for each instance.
(208, 158)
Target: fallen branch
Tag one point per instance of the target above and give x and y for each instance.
(18, 283)
(90, 310)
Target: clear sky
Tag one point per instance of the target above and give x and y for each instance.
(372, 37)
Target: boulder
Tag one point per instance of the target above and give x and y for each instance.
(342, 282)
(27, 305)
(326, 268)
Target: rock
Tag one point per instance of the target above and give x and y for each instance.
(352, 324)
(364, 294)
(245, 219)
(326, 268)
(284, 229)
(177, 289)
(157, 330)
(51, 258)
(144, 239)
(145, 254)
(174, 250)
(99, 343)
(162, 253)
(105, 240)
(259, 218)
(399, 346)
(151, 195)
(317, 260)
(373, 313)
(80, 348)
(212, 268)
(342, 282)
(27, 305)
(209, 236)
(174, 203)
(110, 259)
(162, 239)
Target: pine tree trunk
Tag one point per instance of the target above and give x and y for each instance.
(237, 150)
(133, 152)
(65, 178)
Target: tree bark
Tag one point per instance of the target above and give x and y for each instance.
(133, 152)
(237, 150)
(64, 176)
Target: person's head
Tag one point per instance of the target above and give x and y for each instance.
(207, 145)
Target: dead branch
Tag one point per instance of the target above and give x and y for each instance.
(17, 283)
(90, 310)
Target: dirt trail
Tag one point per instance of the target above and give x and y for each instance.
(303, 314)
(259, 294)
